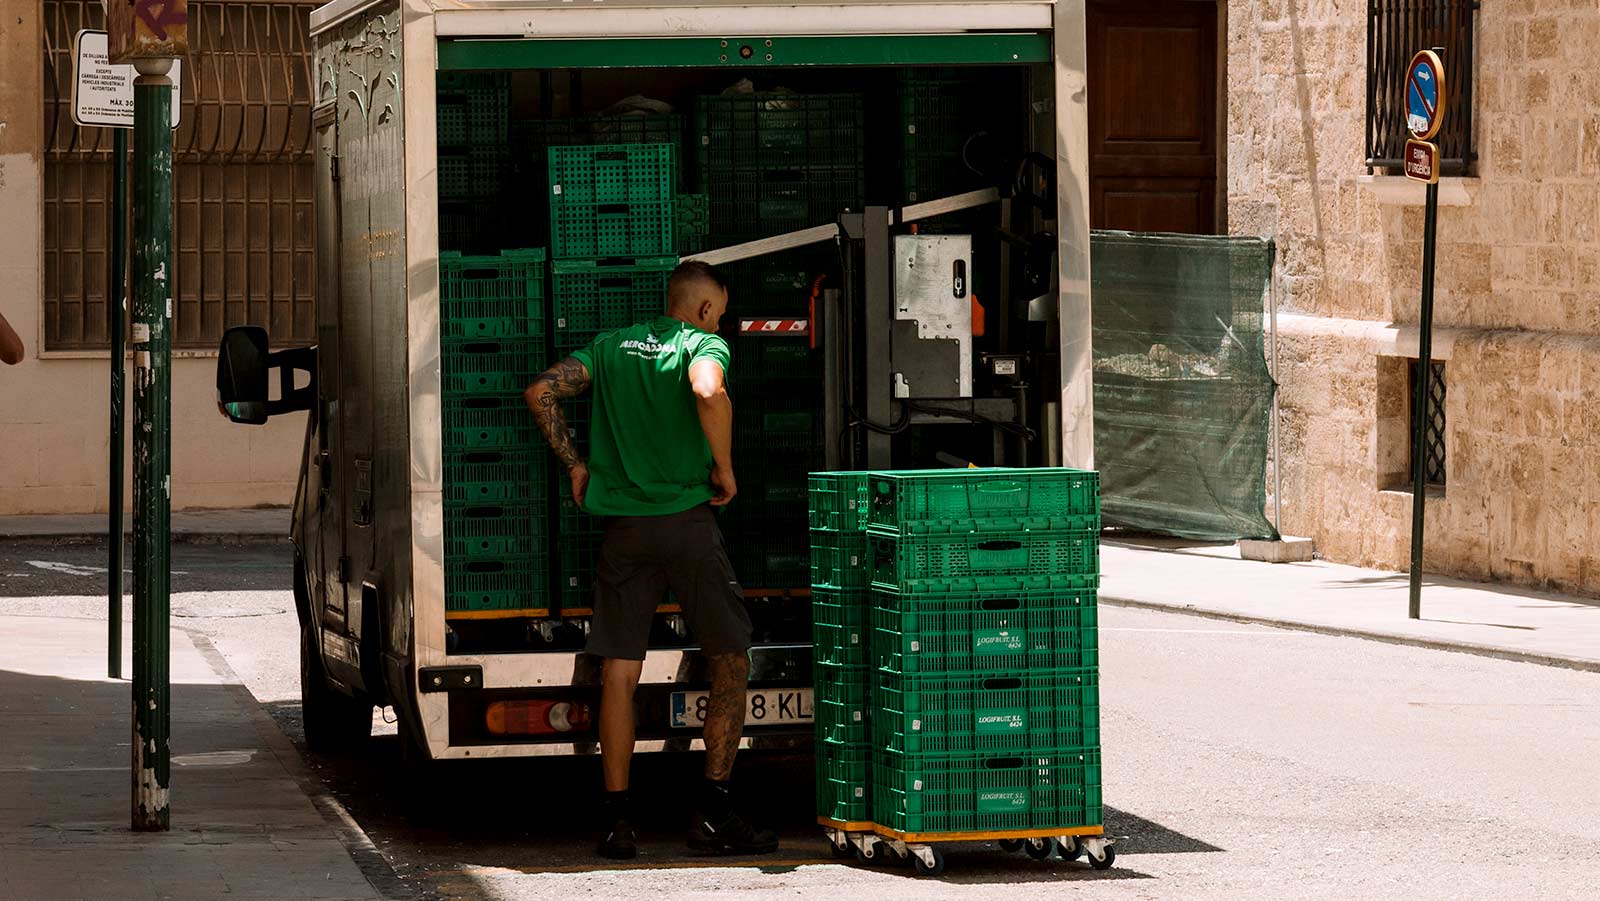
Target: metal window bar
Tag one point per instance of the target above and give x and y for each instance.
(1396, 30)
(1433, 438)
(243, 192)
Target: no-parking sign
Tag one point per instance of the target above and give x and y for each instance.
(1425, 95)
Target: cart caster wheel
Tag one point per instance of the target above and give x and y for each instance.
(867, 856)
(1071, 851)
(1040, 848)
(896, 857)
(1012, 845)
(926, 869)
(841, 853)
(1106, 862)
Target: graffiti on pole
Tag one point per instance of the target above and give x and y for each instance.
(147, 29)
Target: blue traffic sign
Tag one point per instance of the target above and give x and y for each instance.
(1425, 96)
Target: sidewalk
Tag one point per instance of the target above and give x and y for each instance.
(241, 825)
(271, 523)
(1496, 620)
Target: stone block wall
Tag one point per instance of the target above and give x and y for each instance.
(1517, 298)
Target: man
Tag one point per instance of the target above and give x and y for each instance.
(660, 459)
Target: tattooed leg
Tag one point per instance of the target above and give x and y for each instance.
(730, 676)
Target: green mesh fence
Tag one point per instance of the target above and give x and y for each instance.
(1182, 392)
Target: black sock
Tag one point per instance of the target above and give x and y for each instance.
(618, 805)
(716, 798)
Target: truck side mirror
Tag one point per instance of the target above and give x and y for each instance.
(244, 367)
(242, 374)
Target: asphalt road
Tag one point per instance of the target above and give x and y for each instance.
(1240, 762)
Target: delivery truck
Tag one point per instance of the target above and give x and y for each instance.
(898, 192)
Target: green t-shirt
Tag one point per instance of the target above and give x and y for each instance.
(647, 453)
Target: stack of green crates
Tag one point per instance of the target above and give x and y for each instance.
(612, 220)
(985, 713)
(532, 138)
(492, 321)
(772, 163)
(474, 120)
(777, 162)
(841, 629)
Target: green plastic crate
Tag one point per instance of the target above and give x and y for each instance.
(505, 529)
(492, 297)
(746, 205)
(976, 632)
(841, 702)
(452, 121)
(839, 560)
(488, 583)
(490, 366)
(912, 561)
(595, 296)
(1024, 712)
(838, 501)
(612, 200)
(984, 500)
(578, 538)
(488, 422)
(841, 623)
(494, 475)
(844, 782)
(736, 131)
(925, 794)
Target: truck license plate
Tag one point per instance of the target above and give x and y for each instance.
(762, 705)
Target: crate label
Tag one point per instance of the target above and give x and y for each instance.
(856, 716)
(999, 720)
(999, 641)
(916, 725)
(1011, 801)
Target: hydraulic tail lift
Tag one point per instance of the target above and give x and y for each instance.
(897, 336)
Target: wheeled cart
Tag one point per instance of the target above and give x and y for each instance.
(870, 844)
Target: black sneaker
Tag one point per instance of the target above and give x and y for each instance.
(621, 843)
(729, 835)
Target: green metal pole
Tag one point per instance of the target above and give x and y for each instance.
(1419, 408)
(152, 438)
(114, 318)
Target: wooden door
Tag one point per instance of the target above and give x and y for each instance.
(1153, 115)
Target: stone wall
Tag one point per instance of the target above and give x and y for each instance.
(54, 409)
(1517, 296)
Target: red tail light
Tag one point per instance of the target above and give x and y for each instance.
(541, 717)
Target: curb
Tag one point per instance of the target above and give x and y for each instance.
(79, 537)
(368, 859)
(1432, 644)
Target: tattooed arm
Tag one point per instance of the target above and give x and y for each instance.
(568, 378)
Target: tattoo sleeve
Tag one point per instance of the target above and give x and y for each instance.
(568, 378)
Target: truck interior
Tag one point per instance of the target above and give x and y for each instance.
(884, 136)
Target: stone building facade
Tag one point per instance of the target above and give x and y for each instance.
(1517, 308)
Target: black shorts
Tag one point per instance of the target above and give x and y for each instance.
(644, 556)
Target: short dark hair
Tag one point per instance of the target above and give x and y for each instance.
(693, 272)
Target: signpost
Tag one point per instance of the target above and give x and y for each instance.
(102, 95)
(152, 35)
(1425, 103)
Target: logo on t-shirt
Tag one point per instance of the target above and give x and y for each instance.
(650, 348)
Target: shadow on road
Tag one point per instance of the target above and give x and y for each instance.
(449, 821)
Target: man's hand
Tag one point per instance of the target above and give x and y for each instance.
(723, 482)
(579, 474)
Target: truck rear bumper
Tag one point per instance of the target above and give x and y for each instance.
(453, 700)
